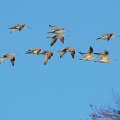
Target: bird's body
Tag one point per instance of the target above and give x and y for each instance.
(55, 37)
(67, 49)
(103, 57)
(11, 56)
(104, 60)
(18, 27)
(34, 51)
(47, 55)
(60, 30)
(107, 36)
(56, 30)
(88, 56)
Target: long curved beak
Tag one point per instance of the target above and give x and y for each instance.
(115, 60)
(17, 54)
(66, 35)
(77, 48)
(28, 27)
(68, 30)
(117, 36)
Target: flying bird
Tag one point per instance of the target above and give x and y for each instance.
(54, 27)
(11, 56)
(103, 57)
(55, 37)
(56, 30)
(67, 49)
(88, 55)
(47, 55)
(18, 27)
(34, 51)
(107, 36)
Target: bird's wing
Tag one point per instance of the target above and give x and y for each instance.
(104, 35)
(106, 53)
(61, 39)
(12, 30)
(72, 54)
(90, 51)
(109, 36)
(38, 51)
(30, 51)
(14, 27)
(84, 54)
(54, 39)
(50, 54)
(62, 54)
(71, 50)
(12, 61)
(54, 27)
(9, 55)
(45, 58)
(100, 55)
(20, 29)
(98, 38)
(1, 59)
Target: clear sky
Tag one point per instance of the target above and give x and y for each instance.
(64, 88)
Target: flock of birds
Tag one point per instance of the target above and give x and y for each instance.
(58, 35)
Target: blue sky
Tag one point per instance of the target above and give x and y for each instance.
(64, 88)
